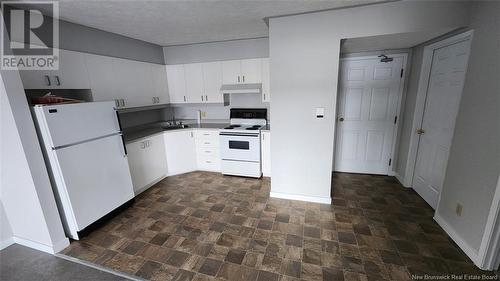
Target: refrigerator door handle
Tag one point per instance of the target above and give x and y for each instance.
(124, 146)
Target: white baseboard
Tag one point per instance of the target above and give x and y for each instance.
(6, 243)
(323, 200)
(468, 250)
(51, 249)
(141, 190)
(401, 180)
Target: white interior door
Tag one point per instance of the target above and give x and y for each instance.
(369, 95)
(449, 65)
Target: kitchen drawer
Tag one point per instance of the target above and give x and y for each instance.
(206, 134)
(208, 152)
(207, 143)
(208, 163)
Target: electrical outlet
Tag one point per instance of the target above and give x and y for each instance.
(459, 209)
(203, 114)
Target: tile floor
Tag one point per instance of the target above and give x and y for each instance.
(205, 226)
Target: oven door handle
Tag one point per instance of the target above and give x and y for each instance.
(239, 134)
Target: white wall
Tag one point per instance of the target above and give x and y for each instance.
(224, 50)
(25, 188)
(6, 238)
(304, 52)
(474, 161)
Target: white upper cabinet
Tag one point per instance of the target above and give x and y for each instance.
(100, 71)
(212, 81)
(176, 83)
(72, 74)
(194, 83)
(242, 71)
(160, 84)
(134, 82)
(266, 93)
(231, 72)
(251, 71)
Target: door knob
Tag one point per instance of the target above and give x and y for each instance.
(420, 131)
(341, 119)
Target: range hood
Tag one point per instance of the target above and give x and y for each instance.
(241, 88)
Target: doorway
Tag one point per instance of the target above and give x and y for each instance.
(369, 100)
(440, 90)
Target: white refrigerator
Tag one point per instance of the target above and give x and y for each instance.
(86, 159)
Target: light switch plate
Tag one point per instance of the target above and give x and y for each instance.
(320, 112)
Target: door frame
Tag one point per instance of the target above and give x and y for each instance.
(419, 110)
(488, 257)
(391, 170)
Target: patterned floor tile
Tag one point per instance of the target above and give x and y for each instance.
(205, 226)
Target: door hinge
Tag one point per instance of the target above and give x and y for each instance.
(395, 119)
(402, 70)
(390, 161)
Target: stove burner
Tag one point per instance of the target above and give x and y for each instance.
(232, 127)
(256, 127)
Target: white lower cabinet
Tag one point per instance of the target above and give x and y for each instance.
(207, 150)
(147, 162)
(180, 151)
(266, 153)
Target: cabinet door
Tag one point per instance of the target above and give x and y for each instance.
(160, 85)
(135, 154)
(180, 151)
(266, 153)
(37, 79)
(266, 94)
(251, 71)
(100, 71)
(127, 82)
(155, 158)
(231, 72)
(72, 73)
(176, 83)
(212, 81)
(194, 83)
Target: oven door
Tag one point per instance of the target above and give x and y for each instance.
(240, 146)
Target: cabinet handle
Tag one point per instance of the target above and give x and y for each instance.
(58, 81)
(201, 98)
(184, 98)
(207, 151)
(209, 161)
(243, 78)
(122, 102)
(143, 145)
(157, 99)
(238, 79)
(48, 79)
(117, 103)
(264, 96)
(191, 134)
(154, 99)
(206, 97)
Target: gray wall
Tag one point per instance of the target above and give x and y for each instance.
(474, 161)
(76, 37)
(225, 50)
(81, 38)
(304, 52)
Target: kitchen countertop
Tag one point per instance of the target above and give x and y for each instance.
(146, 130)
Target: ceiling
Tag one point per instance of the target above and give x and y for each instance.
(389, 42)
(189, 21)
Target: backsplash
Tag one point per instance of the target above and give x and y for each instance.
(218, 111)
(189, 111)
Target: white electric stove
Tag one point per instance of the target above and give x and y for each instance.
(240, 142)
